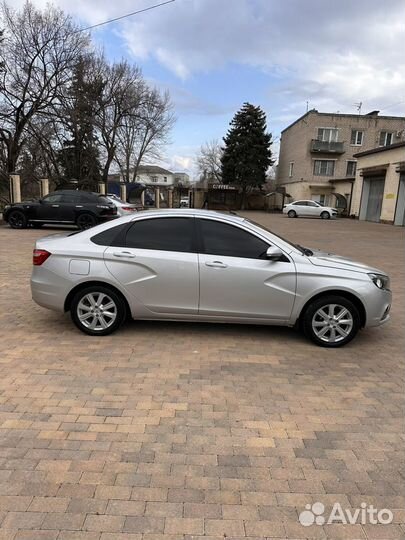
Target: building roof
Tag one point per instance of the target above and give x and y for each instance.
(152, 169)
(373, 114)
(380, 149)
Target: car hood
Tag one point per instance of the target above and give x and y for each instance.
(330, 260)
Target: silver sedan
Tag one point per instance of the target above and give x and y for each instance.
(199, 265)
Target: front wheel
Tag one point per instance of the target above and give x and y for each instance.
(85, 221)
(98, 310)
(17, 220)
(325, 215)
(331, 321)
(292, 214)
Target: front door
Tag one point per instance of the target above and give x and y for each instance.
(237, 280)
(158, 265)
(49, 208)
(375, 200)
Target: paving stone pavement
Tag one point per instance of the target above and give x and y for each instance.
(186, 431)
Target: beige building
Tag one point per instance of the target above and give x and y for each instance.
(318, 153)
(379, 188)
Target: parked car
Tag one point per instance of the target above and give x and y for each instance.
(184, 202)
(309, 209)
(123, 208)
(203, 265)
(66, 207)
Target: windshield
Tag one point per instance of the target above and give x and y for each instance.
(295, 246)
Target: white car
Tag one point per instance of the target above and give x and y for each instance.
(309, 209)
(123, 208)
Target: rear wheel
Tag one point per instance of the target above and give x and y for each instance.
(331, 321)
(325, 215)
(17, 220)
(292, 214)
(85, 221)
(98, 310)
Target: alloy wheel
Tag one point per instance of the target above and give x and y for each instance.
(97, 311)
(85, 221)
(332, 323)
(17, 220)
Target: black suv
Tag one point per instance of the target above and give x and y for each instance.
(68, 207)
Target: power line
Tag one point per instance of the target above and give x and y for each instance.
(124, 16)
(392, 105)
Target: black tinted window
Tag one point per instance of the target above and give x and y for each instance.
(167, 234)
(87, 197)
(114, 236)
(53, 198)
(68, 198)
(222, 239)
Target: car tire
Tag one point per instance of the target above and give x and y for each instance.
(320, 321)
(89, 313)
(325, 215)
(17, 220)
(292, 214)
(85, 221)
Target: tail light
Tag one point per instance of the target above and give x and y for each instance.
(39, 256)
(128, 209)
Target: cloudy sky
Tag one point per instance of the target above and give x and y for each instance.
(215, 54)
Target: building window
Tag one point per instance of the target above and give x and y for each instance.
(154, 179)
(324, 167)
(291, 169)
(351, 168)
(165, 179)
(356, 137)
(327, 134)
(386, 138)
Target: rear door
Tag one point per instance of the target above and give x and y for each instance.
(157, 264)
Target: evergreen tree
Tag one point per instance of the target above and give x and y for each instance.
(79, 156)
(247, 152)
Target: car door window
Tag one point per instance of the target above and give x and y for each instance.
(223, 239)
(68, 198)
(301, 203)
(53, 198)
(313, 204)
(165, 234)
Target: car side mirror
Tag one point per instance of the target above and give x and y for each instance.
(274, 253)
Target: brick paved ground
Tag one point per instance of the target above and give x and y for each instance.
(187, 430)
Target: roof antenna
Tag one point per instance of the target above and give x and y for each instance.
(358, 106)
(307, 105)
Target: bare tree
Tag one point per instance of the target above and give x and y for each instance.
(38, 52)
(120, 99)
(144, 132)
(209, 161)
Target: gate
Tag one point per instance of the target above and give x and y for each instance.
(375, 199)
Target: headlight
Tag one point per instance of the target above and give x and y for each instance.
(7, 206)
(380, 280)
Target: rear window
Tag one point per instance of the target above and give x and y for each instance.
(114, 236)
(103, 200)
(164, 234)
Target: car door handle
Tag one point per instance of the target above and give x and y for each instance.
(124, 254)
(216, 264)
(55, 206)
